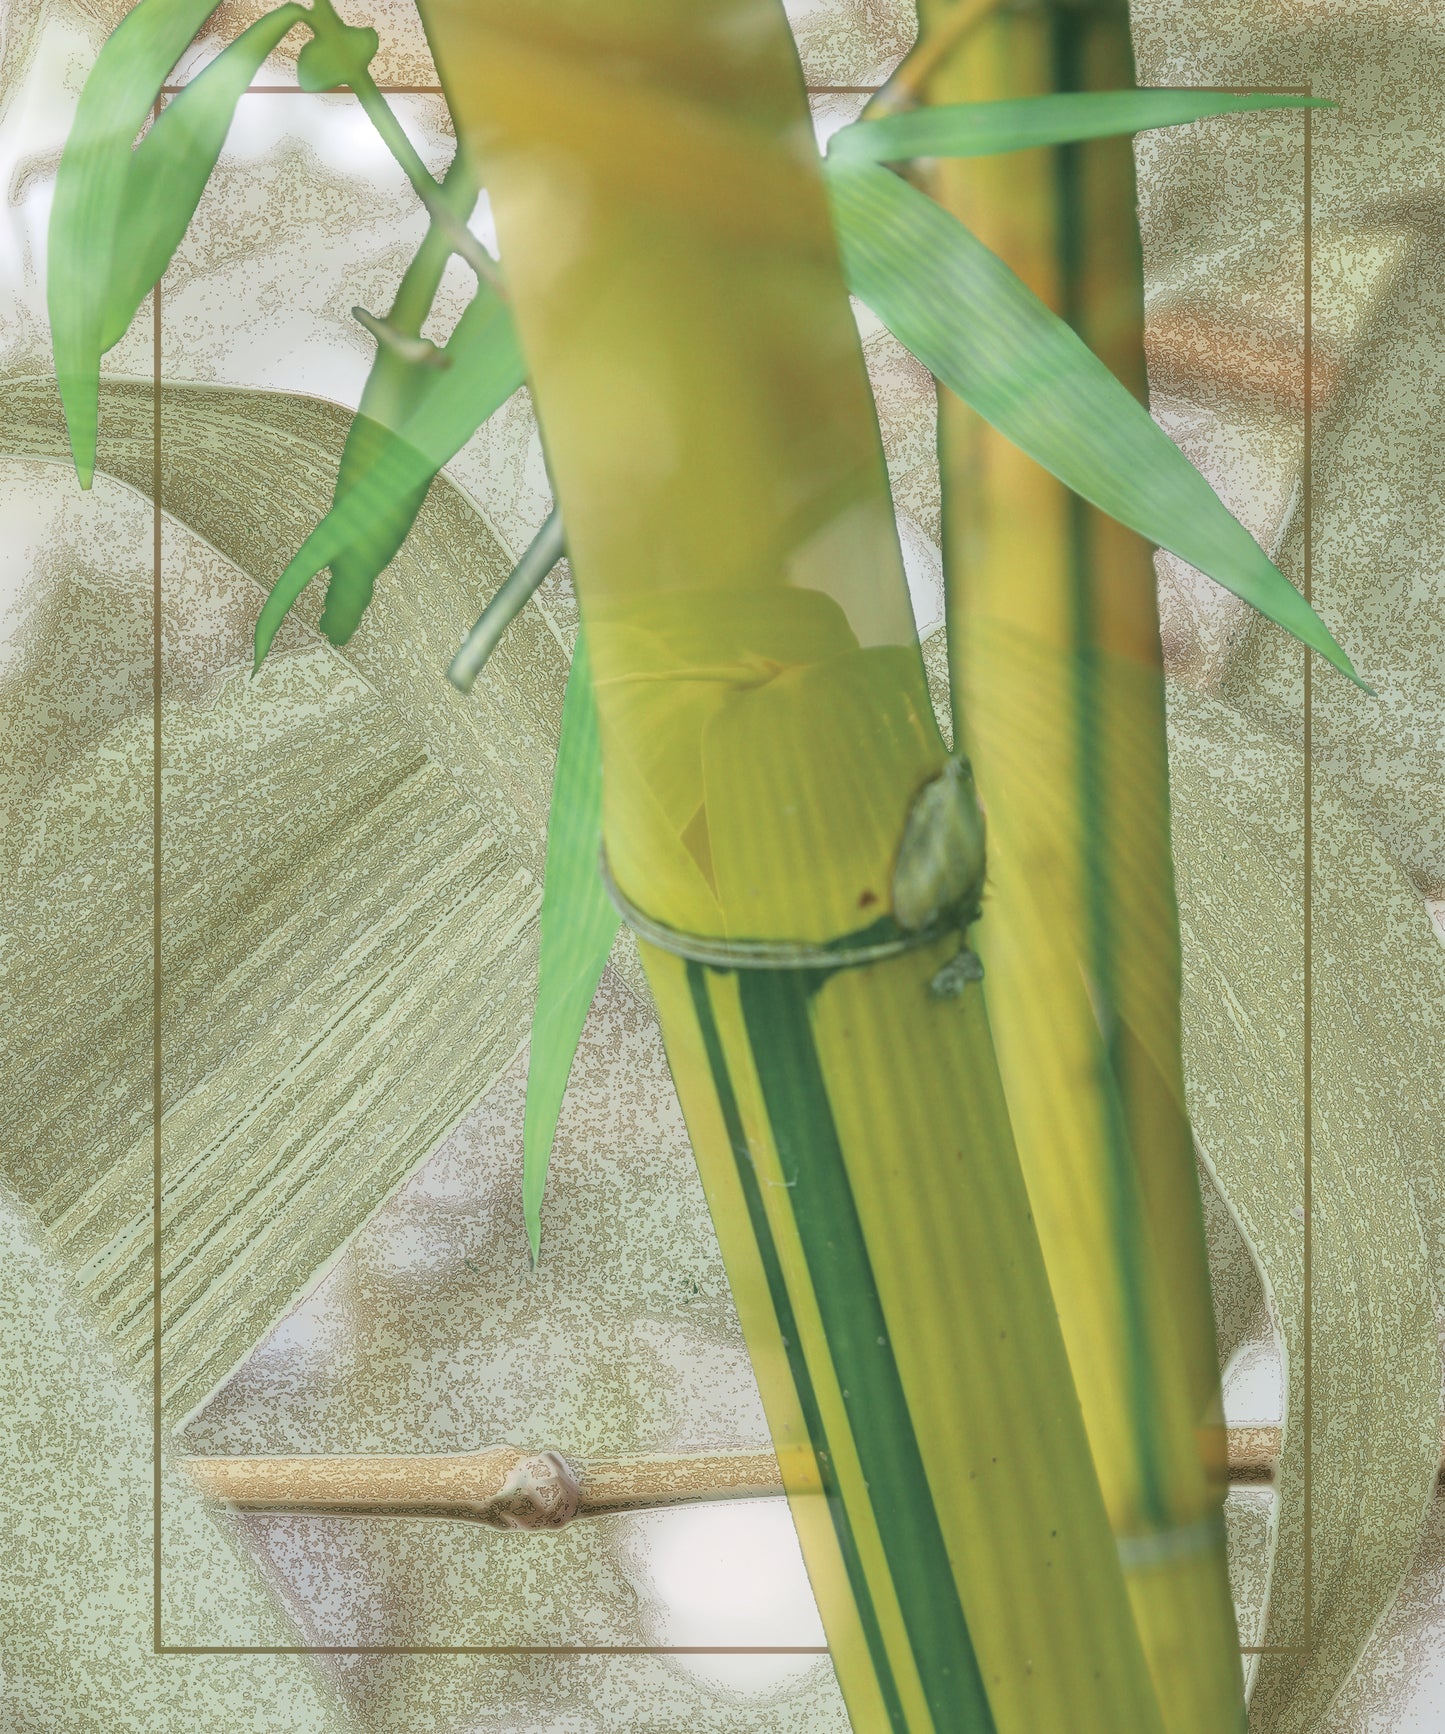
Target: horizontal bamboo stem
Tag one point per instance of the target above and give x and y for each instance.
(506, 1488)
(503, 1488)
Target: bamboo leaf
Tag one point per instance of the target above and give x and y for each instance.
(90, 195)
(980, 129)
(578, 926)
(987, 337)
(484, 368)
(171, 165)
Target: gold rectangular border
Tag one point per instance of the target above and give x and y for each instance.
(161, 1648)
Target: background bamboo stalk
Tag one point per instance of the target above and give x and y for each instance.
(1057, 679)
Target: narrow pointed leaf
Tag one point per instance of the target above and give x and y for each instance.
(981, 129)
(89, 197)
(484, 369)
(988, 337)
(578, 926)
(171, 165)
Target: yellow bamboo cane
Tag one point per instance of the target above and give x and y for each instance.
(766, 737)
(1057, 676)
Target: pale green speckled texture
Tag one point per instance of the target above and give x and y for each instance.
(351, 859)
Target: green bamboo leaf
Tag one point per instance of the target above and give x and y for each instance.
(987, 337)
(355, 571)
(171, 165)
(981, 129)
(578, 926)
(483, 369)
(90, 195)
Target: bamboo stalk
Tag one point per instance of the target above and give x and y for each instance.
(508, 1488)
(766, 731)
(1057, 677)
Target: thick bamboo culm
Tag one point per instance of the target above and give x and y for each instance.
(765, 727)
(508, 1488)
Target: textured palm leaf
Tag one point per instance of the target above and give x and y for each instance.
(75, 1505)
(321, 1062)
(1362, 1402)
(764, 728)
(978, 129)
(985, 335)
(578, 925)
(1059, 698)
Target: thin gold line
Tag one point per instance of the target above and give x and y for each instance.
(1306, 1646)
(157, 647)
(1307, 1326)
(436, 90)
(331, 90)
(717, 1649)
(495, 1650)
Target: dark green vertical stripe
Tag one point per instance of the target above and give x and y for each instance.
(777, 1014)
(788, 1327)
(1092, 786)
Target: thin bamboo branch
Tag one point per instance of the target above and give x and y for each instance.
(325, 22)
(463, 242)
(546, 549)
(905, 87)
(503, 1488)
(507, 1488)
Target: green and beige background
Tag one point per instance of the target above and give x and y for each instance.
(350, 861)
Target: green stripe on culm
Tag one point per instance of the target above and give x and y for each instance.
(788, 1327)
(1092, 791)
(777, 1015)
